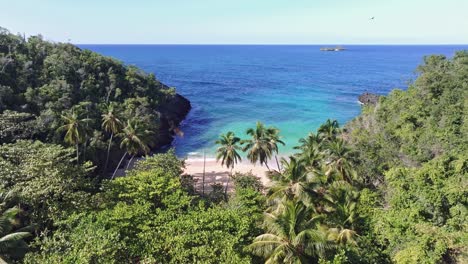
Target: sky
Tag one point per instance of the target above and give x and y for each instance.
(240, 21)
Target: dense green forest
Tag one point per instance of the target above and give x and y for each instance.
(388, 187)
(55, 92)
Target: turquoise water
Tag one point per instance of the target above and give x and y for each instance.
(294, 88)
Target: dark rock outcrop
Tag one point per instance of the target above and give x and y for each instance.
(369, 98)
(172, 113)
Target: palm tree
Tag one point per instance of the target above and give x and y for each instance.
(11, 240)
(291, 182)
(135, 139)
(274, 139)
(312, 141)
(227, 152)
(111, 124)
(259, 148)
(291, 236)
(343, 216)
(75, 130)
(311, 151)
(297, 182)
(329, 130)
(340, 160)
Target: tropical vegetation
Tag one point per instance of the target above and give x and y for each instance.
(388, 187)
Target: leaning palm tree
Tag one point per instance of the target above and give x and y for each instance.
(11, 241)
(259, 146)
(227, 152)
(111, 124)
(292, 236)
(135, 139)
(75, 131)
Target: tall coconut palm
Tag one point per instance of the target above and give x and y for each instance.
(292, 236)
(111, 124)
(228, 153)
(135, 140)
(259, 146)
(274, 139)
(11, 240)
(75, 131)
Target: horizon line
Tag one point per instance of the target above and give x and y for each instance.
(273, 44)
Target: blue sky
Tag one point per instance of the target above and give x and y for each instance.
(240, 21)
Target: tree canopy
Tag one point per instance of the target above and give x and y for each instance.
(388, 187)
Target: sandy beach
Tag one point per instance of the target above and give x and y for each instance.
(215, 173)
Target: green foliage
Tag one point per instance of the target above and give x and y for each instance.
(414, 126)
(91, 241)
(227, 152)
(16, 125)
(427, 211)
(41, 81)
(148, 216)
(213, 235)
(291, 236)
(12, 244)
(411, 150)
(263, 143)
(390, 187)
(313, 212)
(247, 181)
(45, 178)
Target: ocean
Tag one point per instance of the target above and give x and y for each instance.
(294, 88)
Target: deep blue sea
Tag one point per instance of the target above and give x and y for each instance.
(294, 88)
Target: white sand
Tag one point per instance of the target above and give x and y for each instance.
(215, 173)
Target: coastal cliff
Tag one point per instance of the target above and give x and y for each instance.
(172, 113)
(63, 94)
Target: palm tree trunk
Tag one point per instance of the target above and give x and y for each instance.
(77, 153)
(227, 184)
(113, 175)
(108, 151)
(108, 95)
(277, 163)
(203, 179)
(129, 162)
(84, 150)
(266, 164)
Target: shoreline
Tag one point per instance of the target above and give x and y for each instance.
(215, 173)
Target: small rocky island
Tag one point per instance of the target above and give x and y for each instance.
(337, 48)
